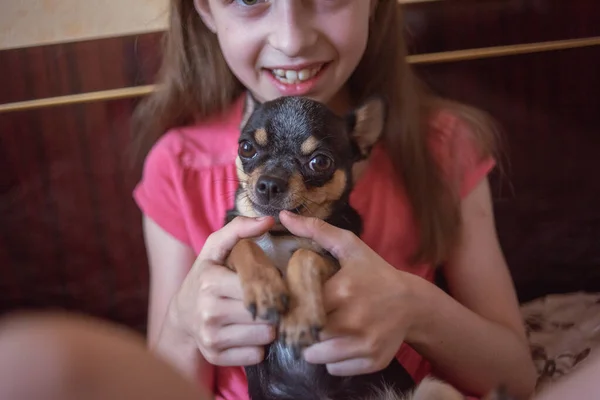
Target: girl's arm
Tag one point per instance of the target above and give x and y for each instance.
(170, 261)
(476, 338)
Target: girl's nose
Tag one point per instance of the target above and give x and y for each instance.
(292, 32)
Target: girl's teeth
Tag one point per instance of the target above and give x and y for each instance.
(304, 74)
(291, 76)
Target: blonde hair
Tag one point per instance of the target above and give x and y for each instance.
(196, 83)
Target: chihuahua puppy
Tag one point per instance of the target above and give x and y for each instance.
(295, 154)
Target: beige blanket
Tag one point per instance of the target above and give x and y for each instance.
(563, 330)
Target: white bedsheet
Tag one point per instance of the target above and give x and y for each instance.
(563, 330)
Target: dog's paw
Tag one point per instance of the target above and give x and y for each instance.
(300, 328)
(266, 295)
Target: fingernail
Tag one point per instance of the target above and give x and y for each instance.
(288, 214)
(262, 218)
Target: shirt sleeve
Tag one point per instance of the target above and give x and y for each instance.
(461, 158)
(157, 193)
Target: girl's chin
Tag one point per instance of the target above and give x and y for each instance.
(268, 94)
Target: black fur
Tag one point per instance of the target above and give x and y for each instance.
(281, 377)
(289, 121)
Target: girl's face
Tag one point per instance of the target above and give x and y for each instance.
(290, 47)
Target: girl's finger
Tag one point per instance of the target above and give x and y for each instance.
(339, 242)
(355, 366)
(220, 243)
(222, 282)
(337, 291)
(230, 312)
(335, 350)
(232, 336)
(239, 356)
(334, 329)
(225, 298)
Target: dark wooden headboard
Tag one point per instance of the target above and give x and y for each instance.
(70, 234)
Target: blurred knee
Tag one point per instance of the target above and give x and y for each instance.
(44, 354)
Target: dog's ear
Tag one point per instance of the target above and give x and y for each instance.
(366, 125)
(250, 104)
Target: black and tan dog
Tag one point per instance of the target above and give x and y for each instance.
(295, 154)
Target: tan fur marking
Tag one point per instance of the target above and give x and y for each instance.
(264, 289)
(306, 273)
(369, 124)
(331, 191)
(296, 187)
(239, 168)
(261, 137)
(247, 182)
(309, 145)
(244, 207)
(321, 198)
(317, 200)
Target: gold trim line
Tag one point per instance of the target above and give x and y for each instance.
(417, 59)
(502, 51)
(103, 95)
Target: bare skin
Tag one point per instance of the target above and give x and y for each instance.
(65, 357)
(69, 357)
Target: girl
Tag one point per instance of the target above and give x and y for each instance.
(423, 195)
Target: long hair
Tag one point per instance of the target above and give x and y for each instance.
(194, 80)
(196, 83)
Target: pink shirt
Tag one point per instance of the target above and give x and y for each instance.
(189, 181)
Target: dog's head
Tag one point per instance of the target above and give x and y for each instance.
(295, 154)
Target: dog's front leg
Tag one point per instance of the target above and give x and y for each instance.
(306, 273)
(265, 292)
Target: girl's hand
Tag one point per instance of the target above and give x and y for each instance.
(209, 307)
(371, 305)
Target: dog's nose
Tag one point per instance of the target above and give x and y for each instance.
(269, 187)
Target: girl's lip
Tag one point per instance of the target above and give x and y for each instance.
(297, 89)
(297, 67)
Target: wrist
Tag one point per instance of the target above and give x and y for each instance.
(424, 304)
(175, 344)
(174, 329)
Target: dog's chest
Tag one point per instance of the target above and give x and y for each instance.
(280, 248)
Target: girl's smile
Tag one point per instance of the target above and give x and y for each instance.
(298, 80)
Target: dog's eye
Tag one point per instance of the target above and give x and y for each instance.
(246, 150)
(320, 163)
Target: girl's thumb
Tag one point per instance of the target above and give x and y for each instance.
(337, 241)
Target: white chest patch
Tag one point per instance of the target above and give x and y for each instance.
(280, 248)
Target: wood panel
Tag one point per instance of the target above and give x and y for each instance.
(464, 24)
(71, 235)
(78, 67)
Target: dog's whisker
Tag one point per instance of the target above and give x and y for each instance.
(304, 202)
(228, 180)
(307, 200)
